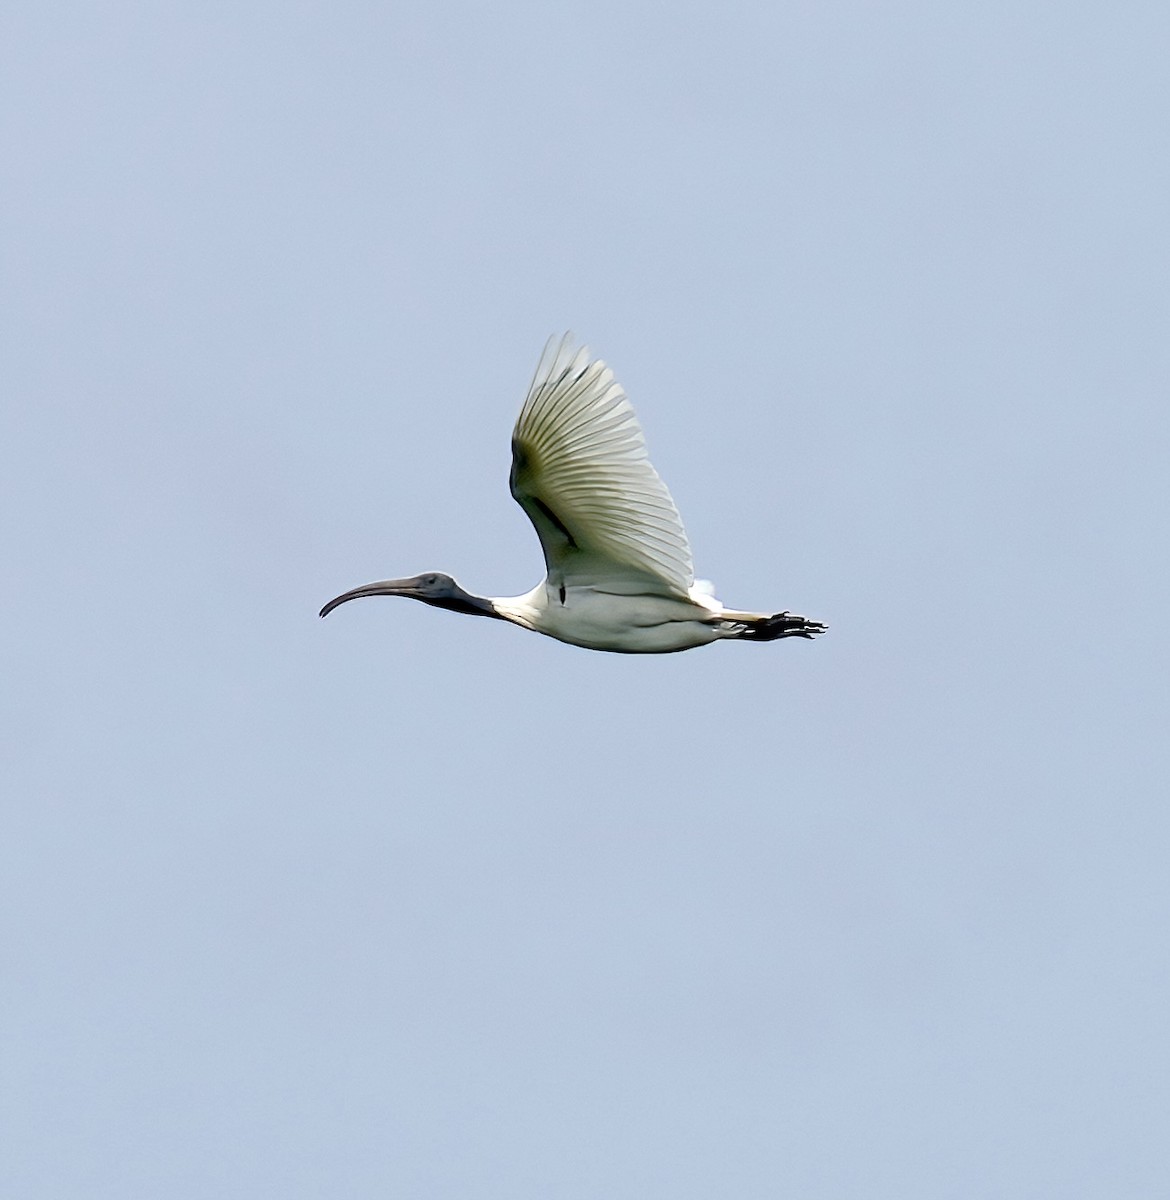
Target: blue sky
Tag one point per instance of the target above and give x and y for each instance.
(404, 904)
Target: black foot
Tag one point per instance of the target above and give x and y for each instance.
(781, 625)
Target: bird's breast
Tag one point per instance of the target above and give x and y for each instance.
(630, 624)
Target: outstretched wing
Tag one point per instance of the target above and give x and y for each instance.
(580, 472)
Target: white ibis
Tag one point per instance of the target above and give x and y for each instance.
(620, 576)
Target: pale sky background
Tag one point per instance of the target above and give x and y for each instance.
(403, 904)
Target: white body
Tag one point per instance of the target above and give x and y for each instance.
(625, 624)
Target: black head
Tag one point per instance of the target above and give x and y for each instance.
(431, 588)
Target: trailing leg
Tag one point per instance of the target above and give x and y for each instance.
(769, 629)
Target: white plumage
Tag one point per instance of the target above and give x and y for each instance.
(578, 451)
(620, 575)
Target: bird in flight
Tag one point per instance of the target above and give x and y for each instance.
(620, 576)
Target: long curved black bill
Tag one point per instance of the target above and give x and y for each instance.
(384, 587)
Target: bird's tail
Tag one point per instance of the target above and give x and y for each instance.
(755, 627)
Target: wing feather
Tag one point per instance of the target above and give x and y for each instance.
(581, 473)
